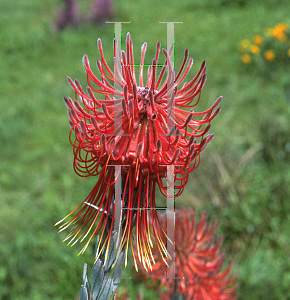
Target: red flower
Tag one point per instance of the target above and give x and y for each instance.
(132, 131)
(198, 260)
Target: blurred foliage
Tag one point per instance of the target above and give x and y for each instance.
(244, 176)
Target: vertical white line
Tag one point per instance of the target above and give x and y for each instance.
(118, 182)
(170, 220)
(118, 202)
(118, 38)
(170, 169)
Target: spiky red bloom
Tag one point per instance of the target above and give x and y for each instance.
(132, 131)
(198, 259)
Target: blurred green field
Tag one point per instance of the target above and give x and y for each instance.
(243, 180)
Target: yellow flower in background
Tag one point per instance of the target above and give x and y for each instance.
(244, 45)
(262, 42)
(246, 58)
(279, 32)
(283, 27)
(255, 49)
(282, 37)
(269, 55)
(258, 39)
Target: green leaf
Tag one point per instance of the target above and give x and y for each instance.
(85, 279)
(107, 290)
(97, 278)
(84, 295)
(112, 252)
(85, 273)
(96, 246)
(117, 271)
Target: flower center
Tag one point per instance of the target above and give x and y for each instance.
(143, 91)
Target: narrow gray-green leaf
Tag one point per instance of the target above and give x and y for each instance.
(85, 279)
(97, 278)
(84, 293)
(97, 243)
(112, 253)
(85, 273)
(107, 290)
(117, 271)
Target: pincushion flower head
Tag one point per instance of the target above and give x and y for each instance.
(122, 121)
(198, 259)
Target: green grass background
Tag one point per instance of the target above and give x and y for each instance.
(244, 176)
